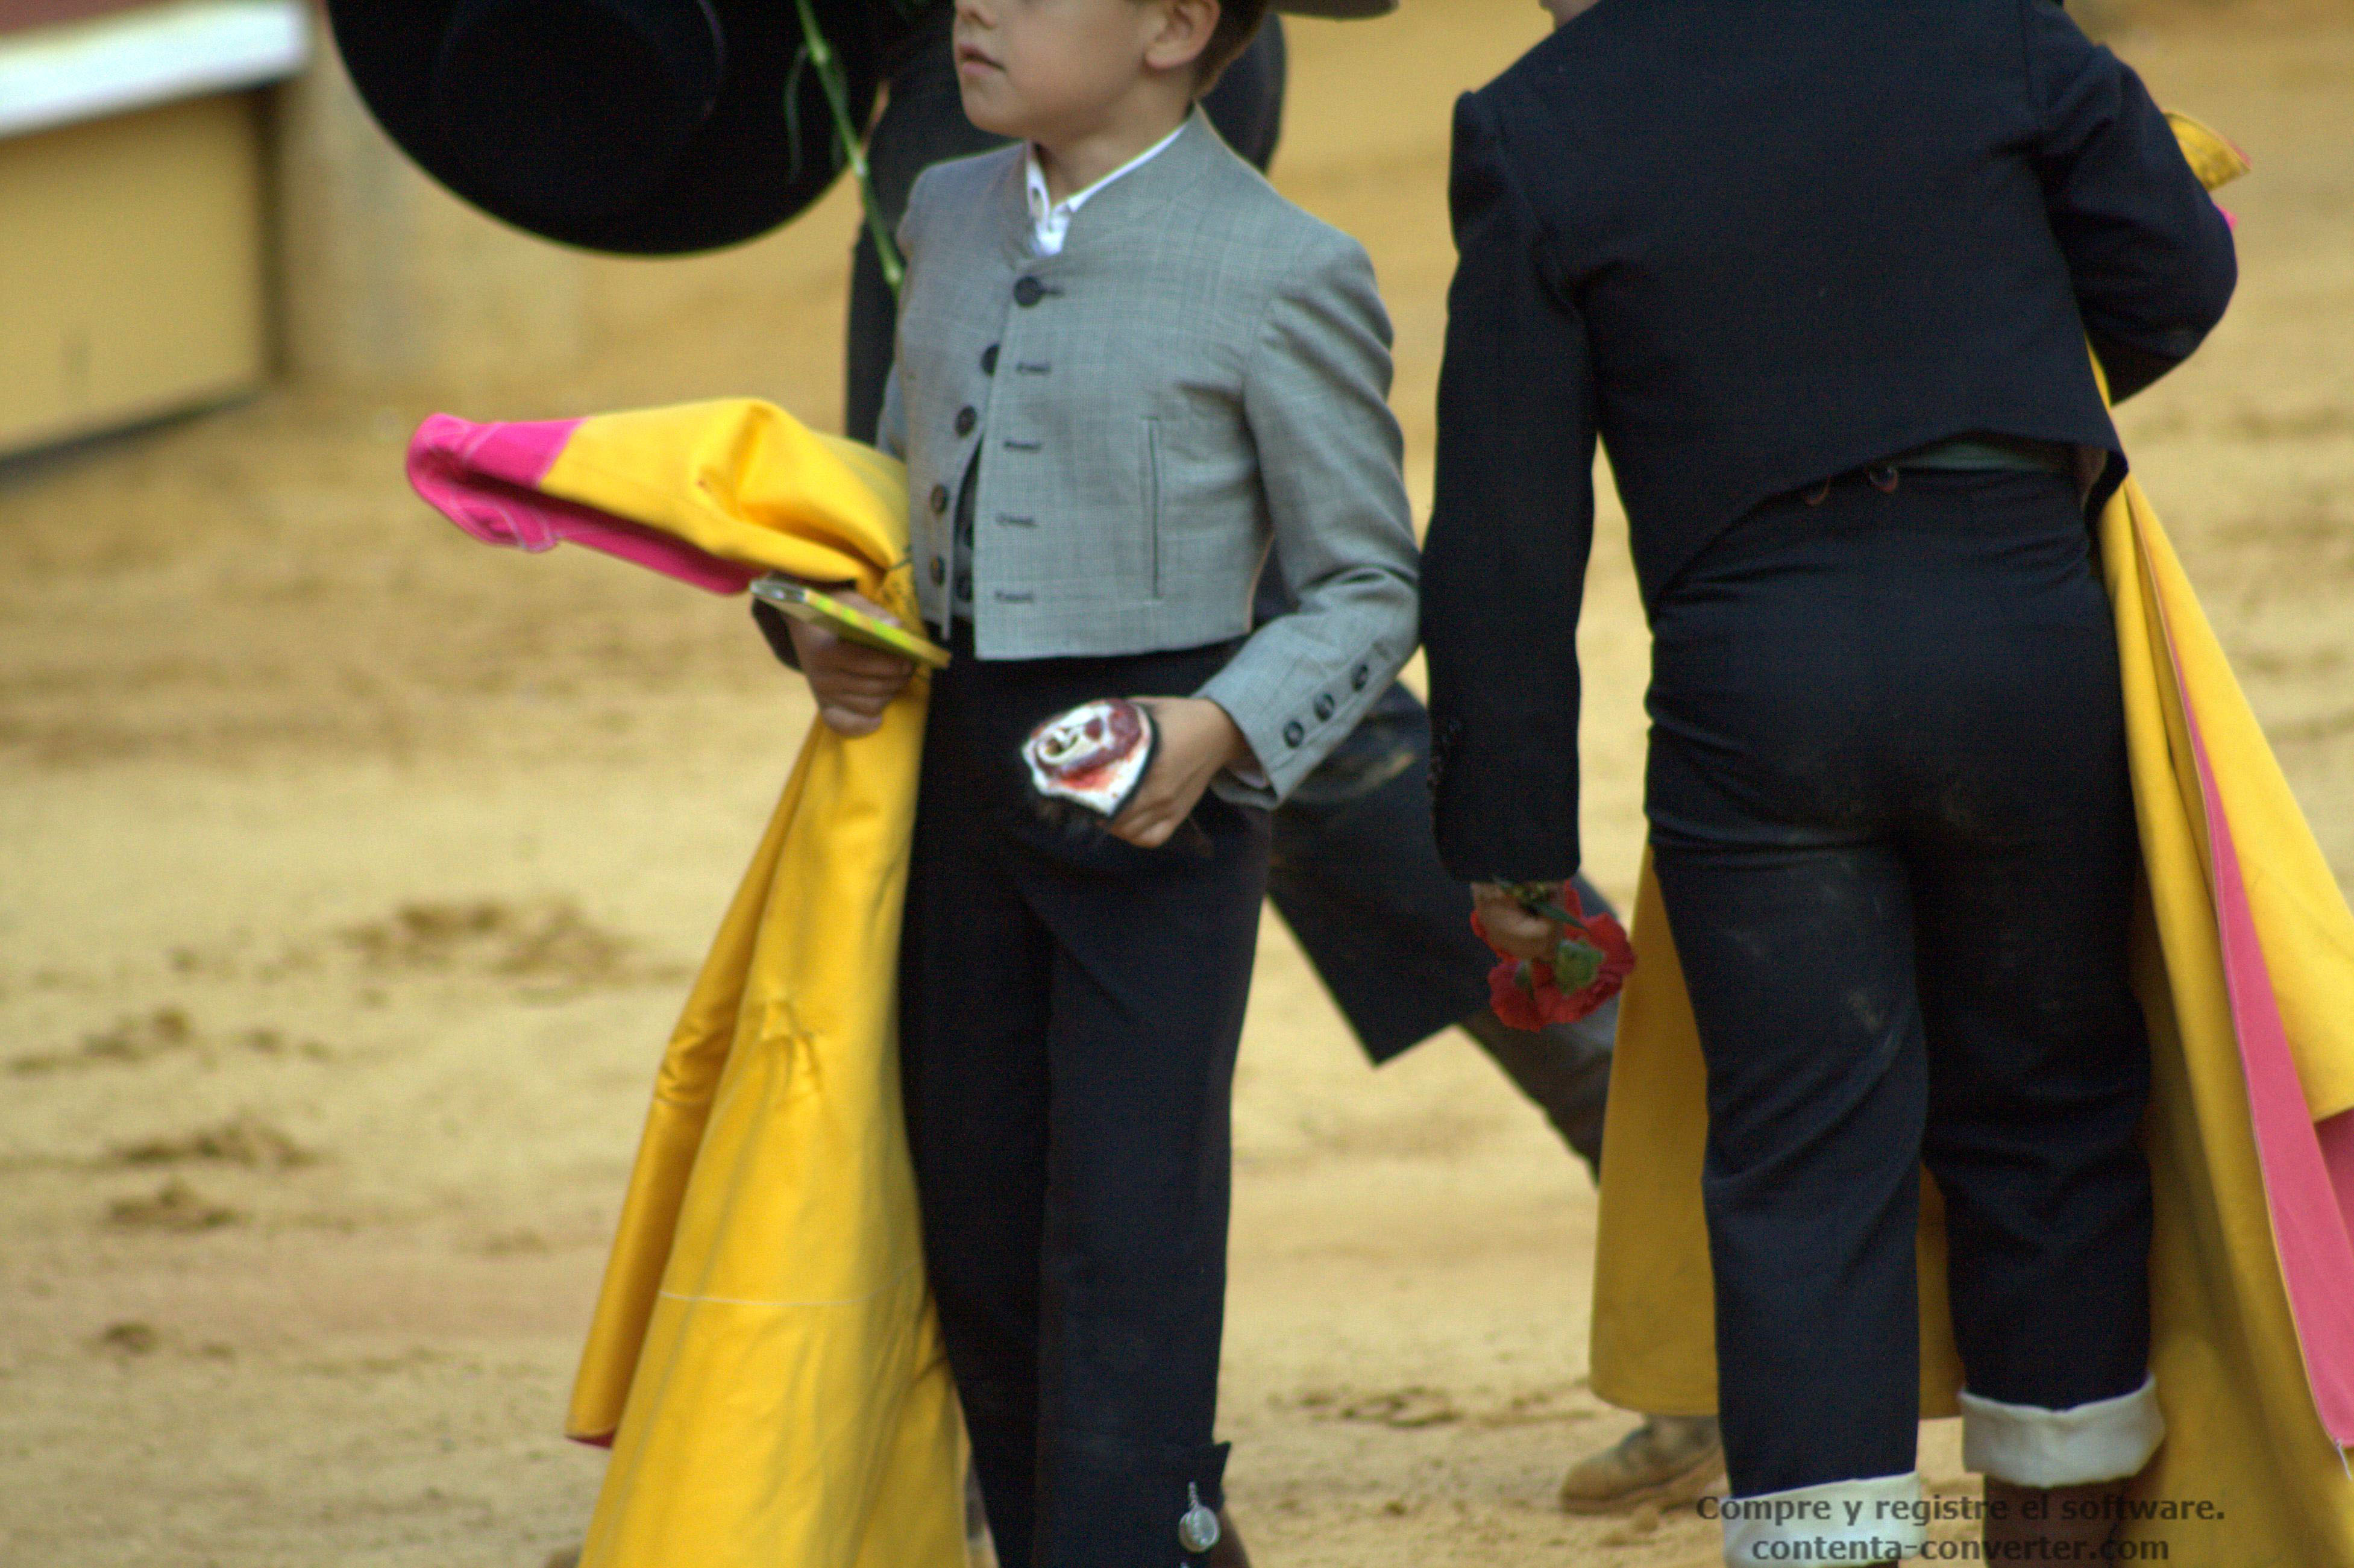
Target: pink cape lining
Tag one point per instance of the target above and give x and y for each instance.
(486, 479)
(2308, 1167)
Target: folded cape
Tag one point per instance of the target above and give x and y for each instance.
(2243, 959)
(764, 1359)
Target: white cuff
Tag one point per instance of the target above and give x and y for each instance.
(2106, 1440)
(1837, 1524)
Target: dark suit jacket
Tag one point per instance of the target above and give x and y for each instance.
(1752, 244)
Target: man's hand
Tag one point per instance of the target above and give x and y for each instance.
(853, 683)
(1511, 927)
(1197, 739)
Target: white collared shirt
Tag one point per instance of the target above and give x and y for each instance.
(1050, 220)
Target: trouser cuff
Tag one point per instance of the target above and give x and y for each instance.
(1838, 1524)
(2027, 1446)
(1101, 1507)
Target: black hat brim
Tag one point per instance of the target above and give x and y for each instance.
(755, 163)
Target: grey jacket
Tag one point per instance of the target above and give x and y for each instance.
(1201, 373)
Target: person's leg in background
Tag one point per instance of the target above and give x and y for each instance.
(1357, 879)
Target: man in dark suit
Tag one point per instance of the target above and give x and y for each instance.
(1821, 278)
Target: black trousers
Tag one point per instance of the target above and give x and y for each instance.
(1070, 1010)
(1893, 830)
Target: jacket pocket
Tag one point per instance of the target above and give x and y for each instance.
(1149, 483)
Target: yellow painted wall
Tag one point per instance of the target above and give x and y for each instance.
(131, 268)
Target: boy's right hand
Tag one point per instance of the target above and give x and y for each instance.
(853, 683)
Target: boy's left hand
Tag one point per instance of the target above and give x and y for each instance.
(1197, 739)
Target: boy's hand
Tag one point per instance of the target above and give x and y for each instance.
(1510, 927)
(853, 683)
(1197, 739)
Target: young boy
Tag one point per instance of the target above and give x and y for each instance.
(1126, 368)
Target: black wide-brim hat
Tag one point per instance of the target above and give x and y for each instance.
(642, 127)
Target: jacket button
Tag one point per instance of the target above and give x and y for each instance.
(1324, 706)
(1359, 676)
(939, 571)
(989, 360)
(939, 498)
(966, 419)
(1293, 734)
(1028, 292)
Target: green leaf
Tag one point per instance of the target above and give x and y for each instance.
(1575, 963)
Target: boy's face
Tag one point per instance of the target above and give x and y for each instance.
(1042, 69)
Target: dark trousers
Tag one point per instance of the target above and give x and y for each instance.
(1071, 1006)
(1893, 830)
(1357, 877)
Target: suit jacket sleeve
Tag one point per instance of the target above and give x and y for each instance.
(1317, 399)
(2150, 254)
(1504, 561)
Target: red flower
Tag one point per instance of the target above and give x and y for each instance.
(1527, 993)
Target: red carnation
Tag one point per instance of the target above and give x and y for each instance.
(1593, 954)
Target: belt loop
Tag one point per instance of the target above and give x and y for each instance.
(1884, 479)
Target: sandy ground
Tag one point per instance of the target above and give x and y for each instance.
(350, 872)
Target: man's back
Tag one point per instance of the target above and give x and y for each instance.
(1803, 236)
(1752, 245)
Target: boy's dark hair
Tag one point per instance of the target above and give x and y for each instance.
(1238, 24)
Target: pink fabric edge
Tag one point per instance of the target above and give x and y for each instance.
(2336, 1139)
(2306, 1194)
(485, 479)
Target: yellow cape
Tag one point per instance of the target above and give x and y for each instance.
(2242, 1425)
(764, 1359)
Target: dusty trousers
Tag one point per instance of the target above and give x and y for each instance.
(1893, 830)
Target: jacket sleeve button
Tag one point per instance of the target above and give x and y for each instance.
(1324, 706)
(1294, 732)
(1028, 292)
(965, 420)
(939, 498)
(989, 360)
(1359, 676)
